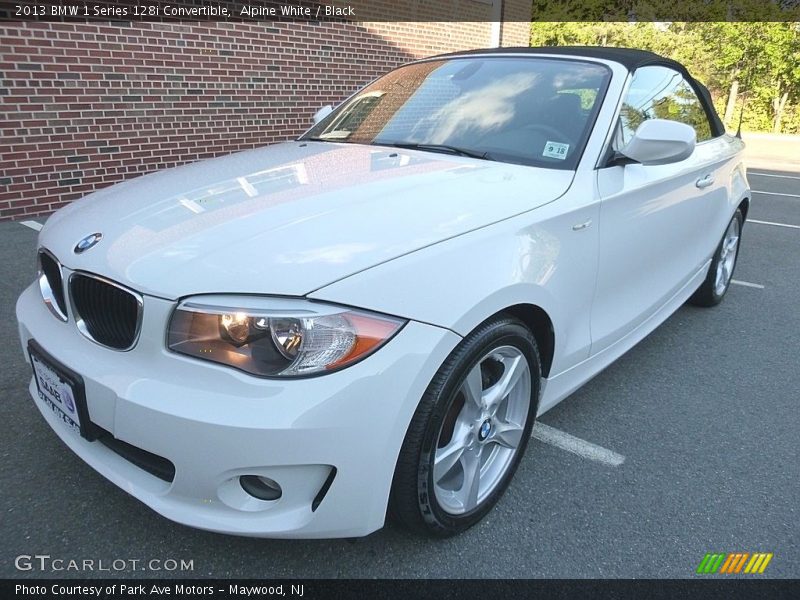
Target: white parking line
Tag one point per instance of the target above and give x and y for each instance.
(570, 443)
(775, 224)
(773, 175)
(775, 194)
(758, 286)
(32, 224)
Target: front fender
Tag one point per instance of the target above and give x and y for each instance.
(460, 282)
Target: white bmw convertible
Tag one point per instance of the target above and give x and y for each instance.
(297, 340)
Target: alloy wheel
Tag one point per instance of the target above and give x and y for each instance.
(727, 258)
(482, 430)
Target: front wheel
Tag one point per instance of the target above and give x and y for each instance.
(720, 273)
(469, 432)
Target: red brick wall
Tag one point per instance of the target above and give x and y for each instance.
(87, 105)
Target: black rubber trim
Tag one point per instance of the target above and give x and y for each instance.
(323, 490)
(156, 465)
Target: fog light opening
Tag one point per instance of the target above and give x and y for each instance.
(262, 488)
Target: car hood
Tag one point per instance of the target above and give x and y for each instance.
(288, 219)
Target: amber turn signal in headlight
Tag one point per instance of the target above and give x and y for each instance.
(272, 337)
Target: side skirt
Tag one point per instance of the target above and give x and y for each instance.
(556, 388)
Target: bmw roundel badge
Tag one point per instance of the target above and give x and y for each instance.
(87, 242)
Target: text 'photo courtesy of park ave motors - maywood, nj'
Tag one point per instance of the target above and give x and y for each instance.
(159, 590)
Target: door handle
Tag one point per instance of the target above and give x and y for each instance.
(583, 225)
(704, 182)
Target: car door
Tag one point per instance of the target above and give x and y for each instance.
(654, 220)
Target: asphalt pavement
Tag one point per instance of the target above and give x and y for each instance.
(704, 412)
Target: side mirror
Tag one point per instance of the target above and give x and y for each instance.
(660, 142)
(322, 113)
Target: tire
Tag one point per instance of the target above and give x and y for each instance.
(483, 399)
(716, 284)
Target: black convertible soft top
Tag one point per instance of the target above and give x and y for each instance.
(630, 58)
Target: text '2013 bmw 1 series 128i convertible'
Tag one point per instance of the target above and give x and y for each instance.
(297, 340)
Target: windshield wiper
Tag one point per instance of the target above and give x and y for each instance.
(324, 139)
(437, 148)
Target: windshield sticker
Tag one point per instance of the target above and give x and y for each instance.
(555, 150)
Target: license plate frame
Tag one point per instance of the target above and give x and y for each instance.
(75, 385)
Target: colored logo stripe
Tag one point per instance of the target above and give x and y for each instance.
(733, 562)
(758, 563)
(710, 563)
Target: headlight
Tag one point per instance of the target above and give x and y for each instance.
(277, 337)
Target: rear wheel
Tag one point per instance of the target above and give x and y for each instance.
(469, 431)
(720, 273)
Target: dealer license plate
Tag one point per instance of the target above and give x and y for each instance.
(56, 391)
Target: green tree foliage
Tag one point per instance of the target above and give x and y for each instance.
(752, 63)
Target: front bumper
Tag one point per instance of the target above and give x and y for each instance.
(215, 424)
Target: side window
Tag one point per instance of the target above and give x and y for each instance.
(661, 93)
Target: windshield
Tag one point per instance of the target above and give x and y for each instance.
(533, 111)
